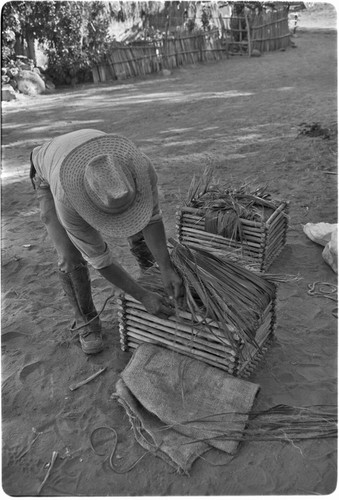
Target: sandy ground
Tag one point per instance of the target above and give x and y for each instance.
(241, 115)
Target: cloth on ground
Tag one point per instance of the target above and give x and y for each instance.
(183, 404)
(150, 433)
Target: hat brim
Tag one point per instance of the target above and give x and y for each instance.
(72, 170)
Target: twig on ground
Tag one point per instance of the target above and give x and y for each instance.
(37, 434)
(73, 387)
(54, 457)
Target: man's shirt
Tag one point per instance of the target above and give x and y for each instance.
(47, 160)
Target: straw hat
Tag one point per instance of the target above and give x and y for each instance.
(107, 182)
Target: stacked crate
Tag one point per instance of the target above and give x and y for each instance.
(262, 241)
(202, 339)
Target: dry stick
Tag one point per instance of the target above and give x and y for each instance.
(248, 36)
(271, 258)
(206, 340)
(272, 234)
(267, 39)
(211, 333)
(200, 222)
(30, 445)
(270, 23)
(251, 259)
(245, 222)
(264, 331)
(274, 248)
(54, 457)
(176, 348)
(182, 314)
(199, 335)
(216, 331)
(207, 239)
(246, 251)
(274, 242)
(276, 213)
(278, 226)
(217, 238)
(220, 249)
(257, 357)
(148, 337)
(210, 326)
(178, 338)
(247, 236)
(73, 387)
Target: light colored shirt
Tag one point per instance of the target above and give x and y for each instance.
(47, 160)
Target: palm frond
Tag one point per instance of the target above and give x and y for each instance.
(225, 206)
(227, 293)
(279, 423)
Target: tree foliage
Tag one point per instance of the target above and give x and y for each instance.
(74, 33)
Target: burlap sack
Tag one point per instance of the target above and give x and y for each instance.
(194, 403)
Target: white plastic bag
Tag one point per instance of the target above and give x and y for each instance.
(330, 252)
(320, 232)
(326, 235)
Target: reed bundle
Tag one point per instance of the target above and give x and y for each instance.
(224, 206)
(226, 290)
(216, 289)
(222, 219)
(279, 423)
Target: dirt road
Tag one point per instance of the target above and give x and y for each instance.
(243, 116)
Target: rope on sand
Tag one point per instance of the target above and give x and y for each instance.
(323, 289)
(111, 456)
(326, 290)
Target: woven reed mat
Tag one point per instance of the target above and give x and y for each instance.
(178, 406)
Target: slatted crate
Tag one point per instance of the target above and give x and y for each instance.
(261, 243)
(204, 341)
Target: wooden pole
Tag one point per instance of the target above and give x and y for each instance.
(248, 36)
(134, 327)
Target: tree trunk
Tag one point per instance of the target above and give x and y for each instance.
(19, 46)
(31, 54)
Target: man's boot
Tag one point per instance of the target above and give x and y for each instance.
(77, 286)
(142, 254)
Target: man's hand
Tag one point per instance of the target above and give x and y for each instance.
(172, 283)
(155, 304)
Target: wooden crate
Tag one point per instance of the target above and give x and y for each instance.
(206, 343)
(261, 244)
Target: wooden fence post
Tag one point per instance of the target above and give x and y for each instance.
(248, 35)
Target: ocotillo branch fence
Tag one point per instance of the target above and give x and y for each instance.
(266, 31)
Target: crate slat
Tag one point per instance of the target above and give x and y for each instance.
(211, 331)
(181, 337)
(200, 224)
(196, 355)
(188, 347)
